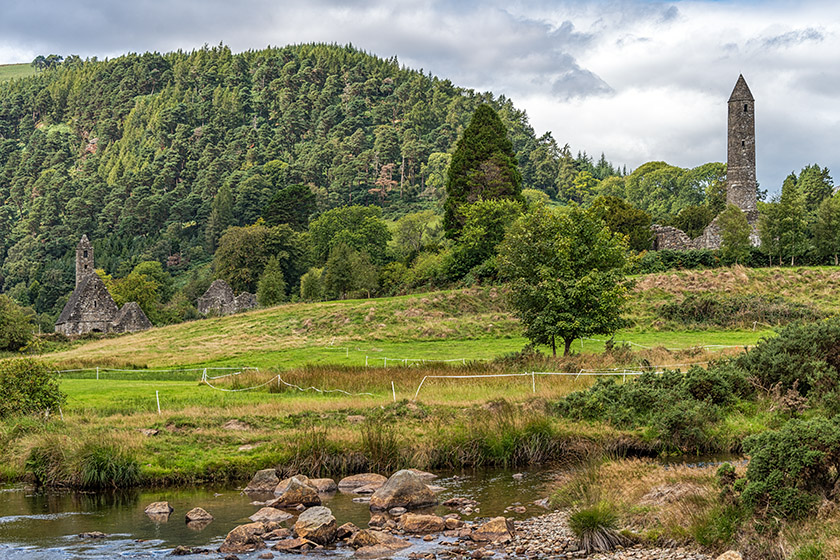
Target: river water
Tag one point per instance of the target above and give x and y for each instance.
(46, 526)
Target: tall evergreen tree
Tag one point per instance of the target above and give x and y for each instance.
(483, 166)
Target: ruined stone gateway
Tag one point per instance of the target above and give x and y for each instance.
(219, 299)
(91, 308)
(740, 177)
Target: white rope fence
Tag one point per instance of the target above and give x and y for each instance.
(419, 361)
(280, 381)
(533, 375)
(671, 349)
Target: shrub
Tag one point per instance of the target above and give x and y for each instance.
(806, 354)
(681, 408)
(27, 386)
(666, 259)
(792, 469)
(16, 329)
(596, 528)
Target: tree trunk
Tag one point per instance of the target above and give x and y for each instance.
(553, 347)
(568, 343)
(791, 260)
(835, 260)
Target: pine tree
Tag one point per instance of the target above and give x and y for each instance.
(483, 166)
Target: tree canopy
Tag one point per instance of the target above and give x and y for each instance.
(567, 275)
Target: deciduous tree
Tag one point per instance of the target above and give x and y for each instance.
(567, 275)
(734, 233)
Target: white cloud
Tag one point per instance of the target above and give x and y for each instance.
(637, 80)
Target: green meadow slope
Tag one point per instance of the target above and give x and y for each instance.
(468, 324)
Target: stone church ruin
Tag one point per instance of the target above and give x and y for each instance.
(91, 308)
(219, 299)
(740, 177)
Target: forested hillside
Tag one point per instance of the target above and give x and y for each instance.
(138, 151)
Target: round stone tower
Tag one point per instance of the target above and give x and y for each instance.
(84, 259)
(740, 153)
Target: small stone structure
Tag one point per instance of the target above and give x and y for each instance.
(219, 299)
(91, 308)
(130, 319)
(740, 177)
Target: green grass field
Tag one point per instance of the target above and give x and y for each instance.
(344, 345)
(11, 71)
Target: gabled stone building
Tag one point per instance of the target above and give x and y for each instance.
(741, 183)
(91, 308)
(219, 299)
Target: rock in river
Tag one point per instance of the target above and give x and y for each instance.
(244, 538)
(296, 491)
(198, 514)
(350, 483)
(403, 489)
(497, 529)
(316, 524)
(159, 508)
(421, 524)
(264, 481)
(270, 514)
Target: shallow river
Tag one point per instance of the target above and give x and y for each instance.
(45, 526)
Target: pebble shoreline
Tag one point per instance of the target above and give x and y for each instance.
(548, 536)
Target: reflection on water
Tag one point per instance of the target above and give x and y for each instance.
(45, 526)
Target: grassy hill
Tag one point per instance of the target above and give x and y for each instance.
(471, 324)
(11, 71)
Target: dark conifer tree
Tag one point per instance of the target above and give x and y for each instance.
(483, 166)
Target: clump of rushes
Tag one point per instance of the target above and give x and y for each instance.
(93, 465)
(596, 528)
(106, 466)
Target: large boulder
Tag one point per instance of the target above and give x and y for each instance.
(264, 481)
(421, 524)
(316, 524)
(270, 514)
(403, 489)
(244, 538)
(295, 491)
(324, 485)
(497, 529)
(350, 483)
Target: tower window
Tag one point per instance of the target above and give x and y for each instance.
(85, 252)
(85, 267)
(746, 108)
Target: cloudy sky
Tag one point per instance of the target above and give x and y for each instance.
(637, 80)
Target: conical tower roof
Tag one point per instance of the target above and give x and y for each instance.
(84, 241)
(742, 91)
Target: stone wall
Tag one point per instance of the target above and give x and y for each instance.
(130, 319)
(667, 237)
(219, 299)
